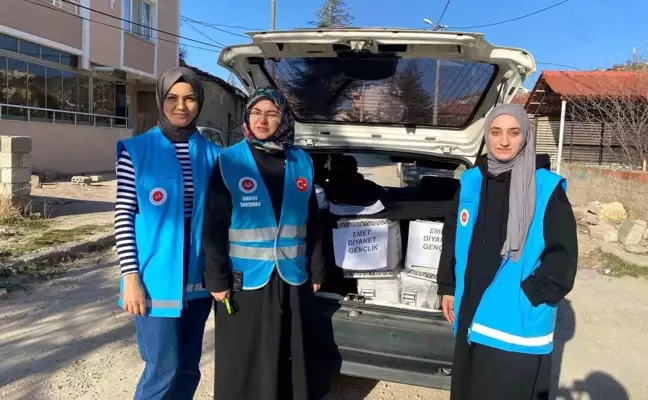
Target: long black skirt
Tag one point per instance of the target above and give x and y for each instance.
(485, 373)
(268, 349)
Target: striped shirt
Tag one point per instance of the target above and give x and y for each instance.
(126, 205)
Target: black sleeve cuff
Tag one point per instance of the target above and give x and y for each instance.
(218, 285)
(445, 290)
(535, 297)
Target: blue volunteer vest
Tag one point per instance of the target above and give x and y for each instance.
(159, 223)
(257, 243)
(505, 318)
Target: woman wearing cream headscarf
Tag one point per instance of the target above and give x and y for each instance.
(509, 256)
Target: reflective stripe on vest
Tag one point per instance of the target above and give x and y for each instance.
(196, 287)
(159, 303)
(267, 253)
(265, 234)
(514, 339)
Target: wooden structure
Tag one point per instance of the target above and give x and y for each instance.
(550, 107)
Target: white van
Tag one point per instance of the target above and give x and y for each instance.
(414, 98)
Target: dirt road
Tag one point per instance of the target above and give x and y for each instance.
(66, 339)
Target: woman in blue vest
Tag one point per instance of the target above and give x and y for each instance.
(162, 182)
(509, 256)
(261, 230)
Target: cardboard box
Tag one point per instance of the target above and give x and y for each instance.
(382, 289)
(418, 292)
(424, 249)
(368, 247)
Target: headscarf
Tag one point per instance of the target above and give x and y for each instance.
(285, 135)
(164, 84)
(523, 186)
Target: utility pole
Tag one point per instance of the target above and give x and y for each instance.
(435, 111)
(273, 13)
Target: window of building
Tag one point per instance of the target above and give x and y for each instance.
(17, 89)
(34, 50)
(139, 13)
(8, 43)
(37, 85)
(3, 80)
(35, 92)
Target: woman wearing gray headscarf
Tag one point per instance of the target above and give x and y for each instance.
(162, 181)
(509, 256)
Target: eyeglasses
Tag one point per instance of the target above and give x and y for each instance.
(269, 115)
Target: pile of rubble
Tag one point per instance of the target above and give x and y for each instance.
(609, 222)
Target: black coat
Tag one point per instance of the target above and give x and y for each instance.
(549, 284)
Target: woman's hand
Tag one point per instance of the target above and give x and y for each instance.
(316, 287)
(447, 304)
(221, 296)
(134, 299)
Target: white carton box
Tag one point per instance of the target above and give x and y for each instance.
(382, 289)
(368, 247)
(424, 249)
(418, 292)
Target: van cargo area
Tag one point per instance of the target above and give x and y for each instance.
(386, 340)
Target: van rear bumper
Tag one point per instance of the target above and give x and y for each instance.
(388, 343)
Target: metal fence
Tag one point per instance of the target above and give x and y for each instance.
(35, 114)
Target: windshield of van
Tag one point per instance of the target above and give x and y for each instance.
(416, 91)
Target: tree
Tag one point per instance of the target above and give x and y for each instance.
(234, 81)
(184, 53)
(618, 109)
(415, 100)
(333, 14)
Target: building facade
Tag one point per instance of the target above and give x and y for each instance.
(77, 75)
(223, 107)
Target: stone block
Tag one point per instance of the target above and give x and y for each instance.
(15, 190)
(605, 232)
(612, 212)
(594, 207)
(15, 175)
(636, 249)
(81, 180)
(12, 160)
(580, 213)
(36, 181)
(26, 160)
(592, 219)
(15, 144)
(631, 232)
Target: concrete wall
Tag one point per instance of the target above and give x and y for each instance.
(167, 48)
(44, 21)
(15, 168)
(139, 53)
(105, 42)
(68, 148)
(587, 184)
(219, 103)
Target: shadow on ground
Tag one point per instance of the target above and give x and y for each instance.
(58, 324)
(598, 385)
(52, 207)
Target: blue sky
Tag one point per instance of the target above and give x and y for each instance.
(585, 34)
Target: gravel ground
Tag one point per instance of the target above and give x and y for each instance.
(67, 339)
